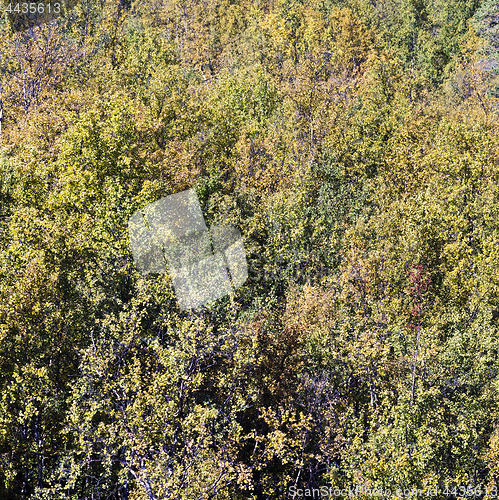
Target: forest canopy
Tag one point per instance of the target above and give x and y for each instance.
(354, 145)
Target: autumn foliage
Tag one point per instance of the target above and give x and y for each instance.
(355, 146)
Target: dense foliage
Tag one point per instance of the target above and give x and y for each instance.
(354, 144)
